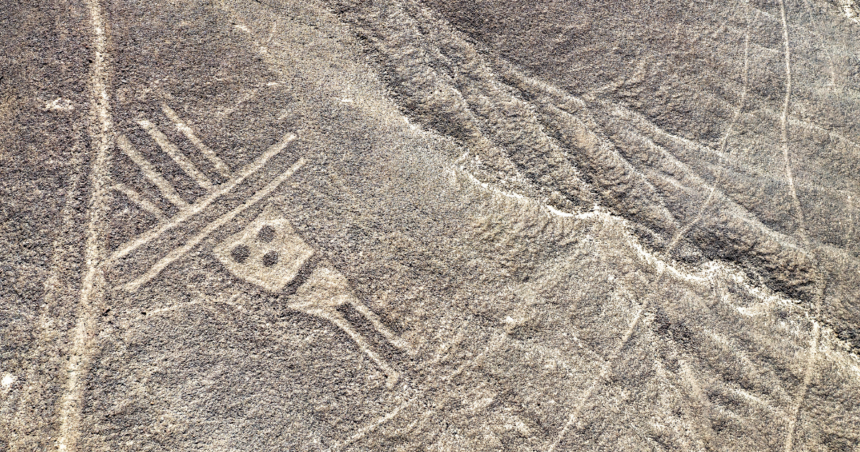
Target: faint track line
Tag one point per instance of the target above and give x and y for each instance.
(823, 42)
(607, 366)
(783, 120)
(92, 285)
(605, 369)
(49, 334)
(370, 427)
(816, 329)
(724, 142)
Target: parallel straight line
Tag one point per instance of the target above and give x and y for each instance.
(150, 172)
(139, 200)
(170, 149)
(219, 165)
(210, 228)
(201, 205)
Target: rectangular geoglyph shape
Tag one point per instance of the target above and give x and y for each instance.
(267, 253)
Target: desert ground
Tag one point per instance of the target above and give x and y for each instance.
(426, 225)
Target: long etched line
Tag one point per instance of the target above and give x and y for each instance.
(170, 149)
(852, 226)
(381, 328)
(804, 389)
(783, 121)
(207, 152)
(201, 205)
(672, 244)
(92, 285)
(364, 346)
(150, 172)
(362, 432)
(816, 330)
(139, 200)
(64, 250)
(210, 228)
(724, 142)
(604, 370)
(824, 46)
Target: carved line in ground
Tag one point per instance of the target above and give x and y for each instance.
(761, 173)
(758, 172)
(640, 313)
(231, 301)
(370, 427)
(681, 233)
(139, 200)
(813, 348)
(599, 214)
(677, 388)
(341, 323)
(754, 223)
(607, 369)
(207, 152)
(47, 331)
(576, 338)
(323, 313)
(753, 169)
(456, 85)
(361, 222)
(382, 329)
(696, 389)
(724, 142)
(101, 132)
(729, 346)
(210, 228)
(821, 39)
(711, 150)
(176, 155)
(607, 366)
(328, 310)
(200, 206)
(604, 369)
(647, 124)
(150, 172)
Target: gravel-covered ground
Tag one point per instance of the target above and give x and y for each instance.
(421, 225)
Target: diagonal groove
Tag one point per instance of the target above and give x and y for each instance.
(210, 228)
(201, 205)
(207, 152)
(170, 149)
(150, 172)
(816, 330)
(139, 200)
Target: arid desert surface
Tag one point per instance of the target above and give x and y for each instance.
(426, 225)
